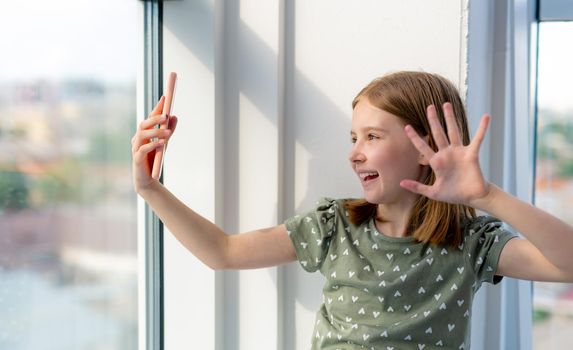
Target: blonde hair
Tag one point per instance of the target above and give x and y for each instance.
(407, 95)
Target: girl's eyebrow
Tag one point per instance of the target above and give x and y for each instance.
(369, 128)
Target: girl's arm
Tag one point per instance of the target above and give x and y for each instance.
(545, 254)
(260, 248)
(255, 249)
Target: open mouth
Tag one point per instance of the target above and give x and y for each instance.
(368, 176)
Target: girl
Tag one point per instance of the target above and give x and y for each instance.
(401, 265)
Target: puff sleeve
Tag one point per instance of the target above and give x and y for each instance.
(484, 240)
(310, 233)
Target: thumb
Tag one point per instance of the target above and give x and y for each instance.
(416, 187)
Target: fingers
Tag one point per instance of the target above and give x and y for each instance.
(416, 187)
(436, 127)
(159, 106)
(144, 136)
(155, 117)
(153, 133)
(419, 143)
(481, 131)
(141, 154)
(453, 131)
(152, 120)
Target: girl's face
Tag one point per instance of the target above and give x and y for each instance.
(382, 155)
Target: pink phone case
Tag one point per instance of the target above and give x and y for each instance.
(159, 155)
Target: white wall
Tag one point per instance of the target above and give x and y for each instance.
(189, 170)
(263, 98)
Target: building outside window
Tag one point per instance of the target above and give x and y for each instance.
(553, 302)
(68, 221)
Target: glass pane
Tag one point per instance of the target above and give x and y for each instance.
(68, 249)
(553, 302)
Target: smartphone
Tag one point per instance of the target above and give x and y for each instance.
(169, 93)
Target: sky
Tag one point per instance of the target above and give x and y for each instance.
(68, 38)
(555, 75)
(98, 39)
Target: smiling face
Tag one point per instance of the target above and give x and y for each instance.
(382, 155)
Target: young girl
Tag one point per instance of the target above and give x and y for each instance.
(401, 265)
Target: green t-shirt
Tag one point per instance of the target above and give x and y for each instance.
(389, 293)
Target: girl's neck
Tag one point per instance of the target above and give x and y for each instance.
(392, 220)
(391, 229)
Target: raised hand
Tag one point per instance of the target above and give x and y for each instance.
(143, 147)
(459, 179)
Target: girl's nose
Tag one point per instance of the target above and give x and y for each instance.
(355, 155)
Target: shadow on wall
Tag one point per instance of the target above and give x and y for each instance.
(250, 69)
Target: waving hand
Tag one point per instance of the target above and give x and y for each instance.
(459, 179)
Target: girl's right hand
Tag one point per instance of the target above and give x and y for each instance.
(143, 148)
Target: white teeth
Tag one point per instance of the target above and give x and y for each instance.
(364, 175)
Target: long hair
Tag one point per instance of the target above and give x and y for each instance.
(407, 95)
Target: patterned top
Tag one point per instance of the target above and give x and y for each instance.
(393, 293)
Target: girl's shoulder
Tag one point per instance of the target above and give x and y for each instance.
(481, 224)
(335, 211)
(324, 217)
(486, 232)
(335, 206)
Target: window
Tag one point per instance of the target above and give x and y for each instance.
(553, 302)
(68, 220)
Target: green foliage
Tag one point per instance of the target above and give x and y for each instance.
(565, 168)
(540, 315)
(555, 142)
(61, 183)
(13, 191)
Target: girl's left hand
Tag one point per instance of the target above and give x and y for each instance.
(459, 179)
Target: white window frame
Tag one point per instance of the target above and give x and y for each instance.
(501, 81)
(149, 227)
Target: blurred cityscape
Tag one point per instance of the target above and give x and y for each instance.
(553, 302)
(68, 243)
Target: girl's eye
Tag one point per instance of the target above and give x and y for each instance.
(370, 137)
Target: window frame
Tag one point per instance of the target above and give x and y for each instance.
(555, 10)
(150, 228)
